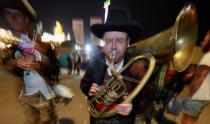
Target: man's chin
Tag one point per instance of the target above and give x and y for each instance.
(117, 60)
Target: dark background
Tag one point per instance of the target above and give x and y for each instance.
(154, 15)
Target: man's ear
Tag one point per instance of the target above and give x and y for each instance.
(128, 42)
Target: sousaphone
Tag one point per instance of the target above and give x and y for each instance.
(175, 43)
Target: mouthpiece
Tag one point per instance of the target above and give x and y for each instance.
(114, 55)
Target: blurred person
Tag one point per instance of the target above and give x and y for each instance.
(36, 95)
(72, 56)
(53, 68)
(173, 84)
(199, 96)
(117, 32)
(69, 64)
(167, 86)
(77, 64)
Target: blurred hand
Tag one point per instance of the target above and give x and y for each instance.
(26, 62)
(93, 89)
(189, 74)
(124, 109)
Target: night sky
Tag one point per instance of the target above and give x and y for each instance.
(65, 10)
(154, 15)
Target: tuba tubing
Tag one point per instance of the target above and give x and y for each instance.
(175, 43)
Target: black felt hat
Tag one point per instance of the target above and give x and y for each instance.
(118, 20)
(21, 5)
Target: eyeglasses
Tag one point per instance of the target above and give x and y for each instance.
(118, 40)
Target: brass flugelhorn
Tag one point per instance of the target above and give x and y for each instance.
(103, 103)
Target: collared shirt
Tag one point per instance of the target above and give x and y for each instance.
(117, 66)
(203, 93)
(34, 83)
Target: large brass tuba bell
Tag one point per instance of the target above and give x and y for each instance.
(176, 43)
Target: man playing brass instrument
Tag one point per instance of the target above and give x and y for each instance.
(117, 33)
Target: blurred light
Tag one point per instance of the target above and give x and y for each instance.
(7, 37)
(106, 7)
(2, 45)
(68, 37)
(106, 13)
(9, 45)
(58, 28)
(88, 57)
(107, 3)
(77, 47)
(101, 43)
(87, 48)
(180, 41)
(57, 38)
(47, 37)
